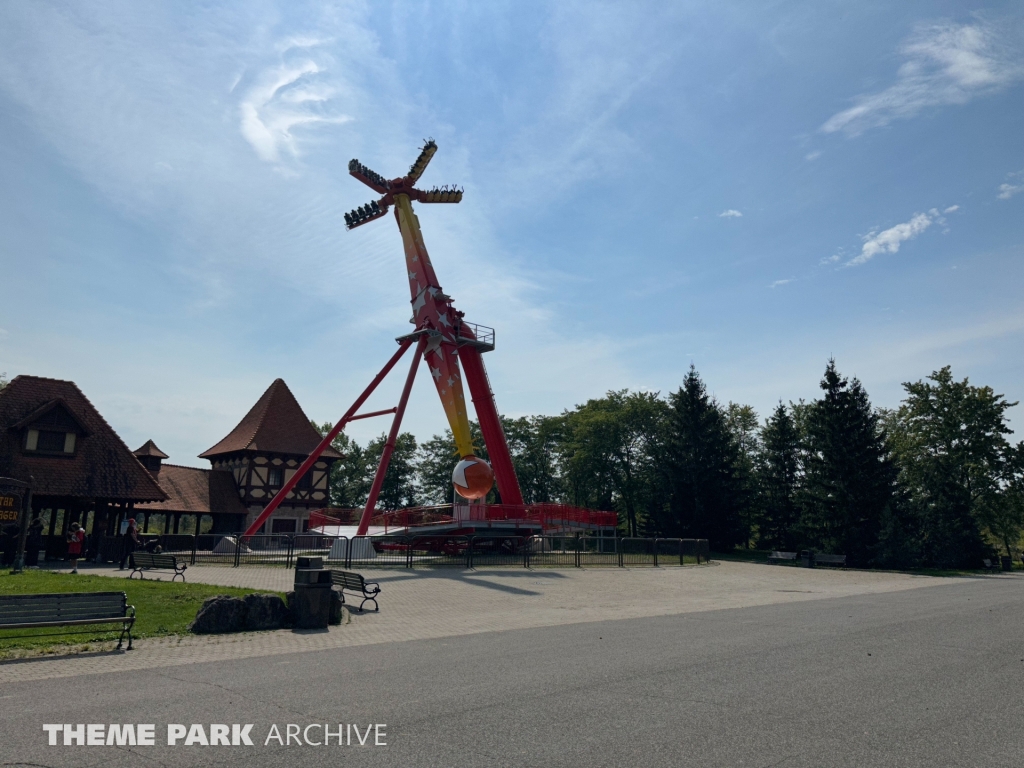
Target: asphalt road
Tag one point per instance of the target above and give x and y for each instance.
(925, 677)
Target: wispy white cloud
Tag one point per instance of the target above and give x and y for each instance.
(889, 240)
(811, 156)
(285, 97)
(944, 63)
(732, 213)
(1008, 190)
(777, 283)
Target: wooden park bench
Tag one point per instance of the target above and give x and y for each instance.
(148, 561)
(781, 557)
(68, 609)
(835, 561)
(988, 564)
(354, 582)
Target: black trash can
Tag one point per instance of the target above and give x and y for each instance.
(806, 558)
(1007, 562)
(312, 607)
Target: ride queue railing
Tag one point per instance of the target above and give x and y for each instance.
(437, 551)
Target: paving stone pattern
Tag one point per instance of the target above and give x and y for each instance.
(430, 604)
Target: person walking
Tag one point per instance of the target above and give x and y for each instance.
(131, 543)
(76, 540)
(34, 543)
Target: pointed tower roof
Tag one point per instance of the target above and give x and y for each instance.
(276, 424)
(150, 449)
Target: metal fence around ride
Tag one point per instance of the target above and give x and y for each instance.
(436, 551)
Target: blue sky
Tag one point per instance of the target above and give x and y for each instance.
(750, 187)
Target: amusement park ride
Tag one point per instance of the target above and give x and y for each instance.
(442, 338)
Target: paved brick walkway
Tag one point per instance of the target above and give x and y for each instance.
(430, 604)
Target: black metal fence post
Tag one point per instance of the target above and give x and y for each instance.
(238, 548)
(195, 539)
(578, 540)
(469, 552)
(618, 551)
(526, 553)
(681, 552)
(408, 554)
(291, 551)
(655, 544)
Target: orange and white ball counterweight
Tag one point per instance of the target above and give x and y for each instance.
(472, 477)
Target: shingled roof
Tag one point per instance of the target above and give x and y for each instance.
(197, 491)
(149, 449)
(101, 467)
(276, 424)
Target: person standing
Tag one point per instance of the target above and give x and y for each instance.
(76, 540)
(34, 543)
(131, 543)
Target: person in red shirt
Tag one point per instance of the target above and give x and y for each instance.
(76, 540)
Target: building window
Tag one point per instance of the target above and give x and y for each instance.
(305, 482)
(49, 441)
(274, 478)
(283, 525)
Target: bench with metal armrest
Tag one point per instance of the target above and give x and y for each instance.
(354, 582)
(68, 609)
(147, 561)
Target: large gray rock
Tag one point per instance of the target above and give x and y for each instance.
(335, 617)
(265, 612)
(220, 614)
(289, 598)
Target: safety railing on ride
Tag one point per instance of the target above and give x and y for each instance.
(551, 517)
(438, 551)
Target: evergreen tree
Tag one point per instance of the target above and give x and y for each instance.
(701, 457)
(778, 466)
(741, 421)
(849, 476)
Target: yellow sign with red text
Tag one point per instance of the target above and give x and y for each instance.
(10, 508)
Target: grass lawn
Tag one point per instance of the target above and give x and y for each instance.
(161, 608)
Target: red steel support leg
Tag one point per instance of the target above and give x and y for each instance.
(389, 446)
(490, 425)
(304, 467)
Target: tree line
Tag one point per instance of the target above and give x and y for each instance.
(935, 482)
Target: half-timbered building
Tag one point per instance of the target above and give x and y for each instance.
(263, 452)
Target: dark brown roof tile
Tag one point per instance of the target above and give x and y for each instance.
(102, 466)
(276, 424)
(196, 491)
(150, 449)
